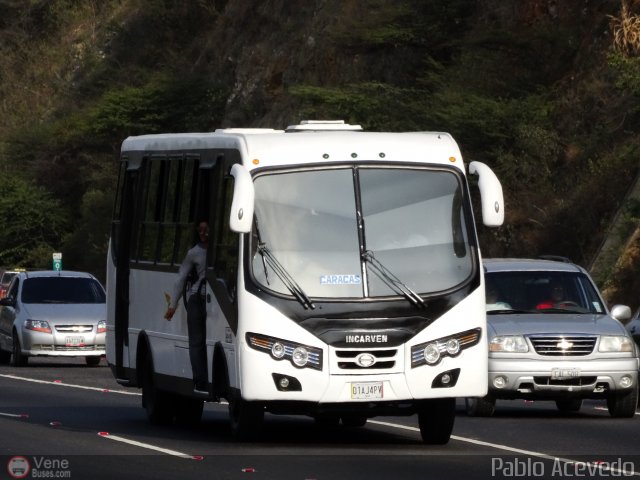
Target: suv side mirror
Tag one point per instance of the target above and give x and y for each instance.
(622, 313)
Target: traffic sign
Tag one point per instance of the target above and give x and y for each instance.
(57, 261)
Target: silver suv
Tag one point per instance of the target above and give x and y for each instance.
(551, 337)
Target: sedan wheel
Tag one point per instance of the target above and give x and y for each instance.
(18, 359)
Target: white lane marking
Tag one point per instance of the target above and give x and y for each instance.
(13, 415)
(606, 409)
(513, 449)
(135, 443)
(62, 384)
(376, 422)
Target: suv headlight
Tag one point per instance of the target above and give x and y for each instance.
(102, 326)
(615, 343)
(508, 344)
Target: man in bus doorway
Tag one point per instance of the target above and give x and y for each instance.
(193, 268)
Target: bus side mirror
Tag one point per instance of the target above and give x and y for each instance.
(490, 193)
(241, 216)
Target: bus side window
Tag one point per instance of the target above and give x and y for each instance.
(226, 241)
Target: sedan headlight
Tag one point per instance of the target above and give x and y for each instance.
(615, 343)
(37, 326)
(508, 344)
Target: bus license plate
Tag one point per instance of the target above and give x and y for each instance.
(564, 373)
(74, 341)
(365, 391)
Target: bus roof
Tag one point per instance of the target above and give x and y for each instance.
(310, 142)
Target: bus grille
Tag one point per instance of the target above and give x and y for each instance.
(563, 345)
(366, 359)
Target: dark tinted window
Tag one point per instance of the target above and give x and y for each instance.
(62, 290)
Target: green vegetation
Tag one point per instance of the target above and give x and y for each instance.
(546, 93)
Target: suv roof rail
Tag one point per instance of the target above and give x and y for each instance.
(555, 258)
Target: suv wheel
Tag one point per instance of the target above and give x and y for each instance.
(623, 406)
(480, 406)
(568, 405)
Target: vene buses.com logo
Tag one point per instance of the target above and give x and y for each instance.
(18, 467)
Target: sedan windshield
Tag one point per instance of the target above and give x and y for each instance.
(541, 292)
(360, 232)
(62, 290)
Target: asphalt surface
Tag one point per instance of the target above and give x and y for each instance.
(67, 420)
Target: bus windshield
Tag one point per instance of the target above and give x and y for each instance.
(355, 232)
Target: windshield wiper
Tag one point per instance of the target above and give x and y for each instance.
(284, 276)
(391, 280)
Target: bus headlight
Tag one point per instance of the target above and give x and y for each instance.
(301, 356)
(431, 353)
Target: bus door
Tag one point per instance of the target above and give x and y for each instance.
(122, 233)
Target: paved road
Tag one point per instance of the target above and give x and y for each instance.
(68, 420)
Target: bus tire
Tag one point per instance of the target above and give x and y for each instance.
(354, 421)
(159, 405)
(18, 359)
(189, 410)
(246, 418)
(480, 406)
(435, 419)
(326, 420)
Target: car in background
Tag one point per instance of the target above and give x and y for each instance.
(551, 337)
(633, 327)
(53, 313)
(5, 280)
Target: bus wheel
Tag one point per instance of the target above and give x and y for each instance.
(326, 420)
(435, 419)
(159, 405)
(18, 359)
(354, 421)
(246, 418)
(189, 411)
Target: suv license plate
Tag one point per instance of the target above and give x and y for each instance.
(74, 341)
(564, 373)
(365, 391)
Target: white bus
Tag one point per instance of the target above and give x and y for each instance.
(344, 276)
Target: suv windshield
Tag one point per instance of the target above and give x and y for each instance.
(324, 228)
(541, 292)
(62, 290)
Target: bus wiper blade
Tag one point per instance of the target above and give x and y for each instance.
(392, 281)
(285, 276)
